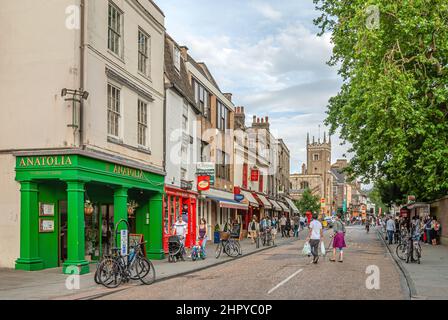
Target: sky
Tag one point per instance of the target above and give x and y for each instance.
(268, 55)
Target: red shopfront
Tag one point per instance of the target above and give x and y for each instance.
(173, 202)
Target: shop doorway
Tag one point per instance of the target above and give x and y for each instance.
(107, 229)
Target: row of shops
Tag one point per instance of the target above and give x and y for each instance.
(71, 202)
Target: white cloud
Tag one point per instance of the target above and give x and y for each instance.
(267, 11)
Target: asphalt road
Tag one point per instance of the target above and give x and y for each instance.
(283, 273)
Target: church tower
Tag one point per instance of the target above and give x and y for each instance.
(319, 163)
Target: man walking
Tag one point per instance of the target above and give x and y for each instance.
(390, 228)
(296, 226)
(283, 225)
(315, 235)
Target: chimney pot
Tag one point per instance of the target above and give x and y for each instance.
(267, 119)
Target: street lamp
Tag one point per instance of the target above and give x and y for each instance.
(74, 96)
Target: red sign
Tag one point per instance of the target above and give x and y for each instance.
(236, 190)
(404, 212)
(254, 175)
(203, 183)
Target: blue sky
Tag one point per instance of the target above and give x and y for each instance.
(268, 55)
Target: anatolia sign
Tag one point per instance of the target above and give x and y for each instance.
(50, 161)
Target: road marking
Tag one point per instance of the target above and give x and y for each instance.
(284, 281)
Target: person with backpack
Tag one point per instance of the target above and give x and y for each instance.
(254, 228)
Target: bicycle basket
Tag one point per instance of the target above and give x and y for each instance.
(224, 235)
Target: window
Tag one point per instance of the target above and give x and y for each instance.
(304, 185)
(202, 98)
(142, 123)
(143, 52)
(176, 57)
(222, 165)
(114, 29)
(316, 157)
(113, 110)
(222, 113)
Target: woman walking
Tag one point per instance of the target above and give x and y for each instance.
(338, 239)
(203, 235)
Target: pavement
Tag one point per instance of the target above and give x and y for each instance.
(429, 279)
(51, 283)
(284, 273)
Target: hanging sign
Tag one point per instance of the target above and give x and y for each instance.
(203, 183)
(206, 169)
(254, 174)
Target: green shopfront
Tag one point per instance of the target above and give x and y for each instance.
(70, 204)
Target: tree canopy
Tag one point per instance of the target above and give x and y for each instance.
(308, 202)
(392, 107)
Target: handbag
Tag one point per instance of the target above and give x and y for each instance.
(306, 251)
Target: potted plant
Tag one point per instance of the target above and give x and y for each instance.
(216, 234)
(88, 207)
(132, 205)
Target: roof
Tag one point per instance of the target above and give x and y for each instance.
(203, 69)
(340, 176)
(179, 80)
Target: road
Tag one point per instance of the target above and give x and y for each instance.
(283, 273)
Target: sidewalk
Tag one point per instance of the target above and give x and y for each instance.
(429, 279)
(50, 283)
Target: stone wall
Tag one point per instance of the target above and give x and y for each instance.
(439, 208)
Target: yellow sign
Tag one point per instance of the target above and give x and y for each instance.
(51, 161)
(125, 171)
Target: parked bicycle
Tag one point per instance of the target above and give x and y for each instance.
(116, 268)
(229, 245)
(266, 237)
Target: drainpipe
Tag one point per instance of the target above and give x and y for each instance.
(81, 76)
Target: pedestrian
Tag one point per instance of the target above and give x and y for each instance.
(390, 228)
(180, 229)
(428, 230)
(288, 227)
(274, 227)
(296, 226)
(338, 239)
(435, 228)
(283, 225)
(315, 235)
(254, 228)
(203, 235)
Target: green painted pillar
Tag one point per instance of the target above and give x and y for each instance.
(120, 210)
(75, 232)
(155, 241)
(29, 227)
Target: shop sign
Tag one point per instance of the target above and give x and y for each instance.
(203, 183)
(254, 175)
(411, 199)
(128, 172)
(239, 197)
(206, 169)
(45, 161)
(124, 242)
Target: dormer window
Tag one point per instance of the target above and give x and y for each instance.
(176, 57)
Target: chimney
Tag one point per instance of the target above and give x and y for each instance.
(303, 168)
(184, 52)
(255, 119)
(228, 96)
(267, 119)
(242, 109)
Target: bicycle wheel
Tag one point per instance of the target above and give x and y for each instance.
(218, 250)
(240, 250)
(231, 249)
(96, 277)
(401, 251)
(146, 271)
(110, 273)
(416, 253)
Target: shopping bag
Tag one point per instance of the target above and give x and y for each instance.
(306, 249)
(322, 248)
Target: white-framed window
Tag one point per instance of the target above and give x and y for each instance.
(176, 58)
(115, 29)
(142, 125)
(113, 110)
(144, 45)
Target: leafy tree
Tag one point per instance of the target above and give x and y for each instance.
(392, 106)
(308, 202)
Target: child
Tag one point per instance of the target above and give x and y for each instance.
(196, 251)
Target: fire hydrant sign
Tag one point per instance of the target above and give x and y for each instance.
(124, 242)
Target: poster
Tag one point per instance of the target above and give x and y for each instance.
(46, 225)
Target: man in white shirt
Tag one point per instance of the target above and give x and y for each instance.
(315, 235)
(180, 228)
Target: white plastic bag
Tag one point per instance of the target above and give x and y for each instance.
(306, 249)
(322, 248)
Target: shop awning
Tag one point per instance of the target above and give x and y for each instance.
(284, 206)
(292, 205)
(250, 198)
(231, 204)
(264, 202)
(275, 205)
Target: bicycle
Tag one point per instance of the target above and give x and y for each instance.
(414, 250)
(266, 237)
(229, 245)
(117, 268)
